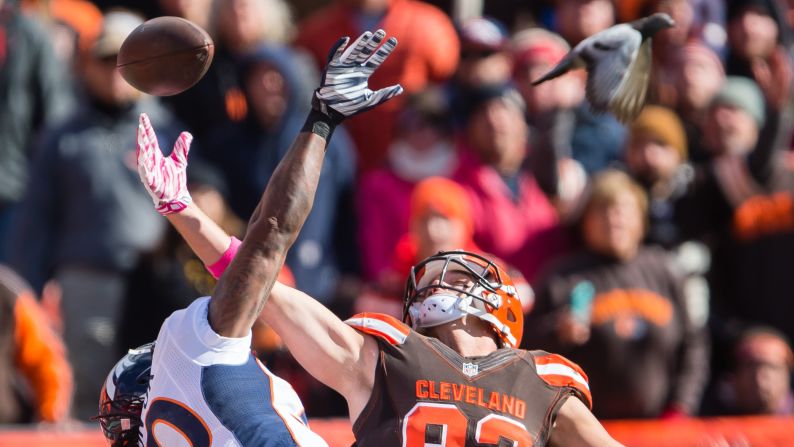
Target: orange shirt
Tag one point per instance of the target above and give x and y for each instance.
(428, 51)
(41, 358)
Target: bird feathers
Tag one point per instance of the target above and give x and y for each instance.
(630, 96)
(618, 62)
(609, 64)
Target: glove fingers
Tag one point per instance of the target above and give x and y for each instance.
(338, 49)
(181, 149)
(385, 94)
(383, 52)
(369, 48)
(147, 153)
(147, 127)
(349, 55)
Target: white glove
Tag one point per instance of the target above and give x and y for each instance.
(344, 90)
(164, 178)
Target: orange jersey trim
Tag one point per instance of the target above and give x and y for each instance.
(382, 326)
(558, 371)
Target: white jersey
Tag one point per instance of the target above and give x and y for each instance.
(210, 391)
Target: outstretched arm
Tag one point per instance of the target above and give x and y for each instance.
(328, 345)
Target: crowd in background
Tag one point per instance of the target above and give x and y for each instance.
(657, 254)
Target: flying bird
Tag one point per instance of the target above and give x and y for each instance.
(618, 64)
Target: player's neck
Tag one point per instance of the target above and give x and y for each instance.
(467, 340)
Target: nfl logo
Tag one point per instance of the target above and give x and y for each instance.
(470, 369)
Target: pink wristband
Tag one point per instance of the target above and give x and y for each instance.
(217, 269)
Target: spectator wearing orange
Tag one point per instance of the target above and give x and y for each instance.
(30, 350)
(618, 308)
(760, 380)
(428, 52)
(439, 220)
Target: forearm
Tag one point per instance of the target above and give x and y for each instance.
(205, 237)
(283, 209)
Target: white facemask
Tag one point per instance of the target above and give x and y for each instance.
(438, 309)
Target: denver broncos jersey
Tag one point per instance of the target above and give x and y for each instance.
(207, 390)
(425, 393)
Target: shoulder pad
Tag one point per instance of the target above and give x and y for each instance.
(558, 371)
(380, 326)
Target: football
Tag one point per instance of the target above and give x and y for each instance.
(165, 56)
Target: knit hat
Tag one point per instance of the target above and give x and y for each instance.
(443, 196)
(663, 124)
(742, 93)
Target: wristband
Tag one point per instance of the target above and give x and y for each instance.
(217, 269)
(320, 124)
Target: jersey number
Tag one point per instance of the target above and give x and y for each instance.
(183, 422)
(444, 425)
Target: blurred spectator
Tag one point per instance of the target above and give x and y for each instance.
(753, 34)
(485, 60)
(699, 76)
(422, 148)
(247, 154)
(35, 378)
(440, 219)
(736, 116)
(34, 92)
(513, 219)
(656, 156)
(427, 53)
(617, 308)
(562, 122)
(85, 219)
(760, 380)
(578, 19)
(238, 27)
(666, 45)
(742, 202)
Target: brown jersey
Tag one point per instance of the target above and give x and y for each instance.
(425, 393)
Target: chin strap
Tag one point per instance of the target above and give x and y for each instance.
(462, 307)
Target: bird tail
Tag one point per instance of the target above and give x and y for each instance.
(564, 65)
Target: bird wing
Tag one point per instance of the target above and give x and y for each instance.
(630, 97)
(608, 56)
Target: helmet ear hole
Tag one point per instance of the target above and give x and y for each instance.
(511, 317)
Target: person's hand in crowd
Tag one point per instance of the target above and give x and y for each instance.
(774, 77)
(344, 90)
(163, 177)
(570, 331)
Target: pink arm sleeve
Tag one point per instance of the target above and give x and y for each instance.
(217, 269)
